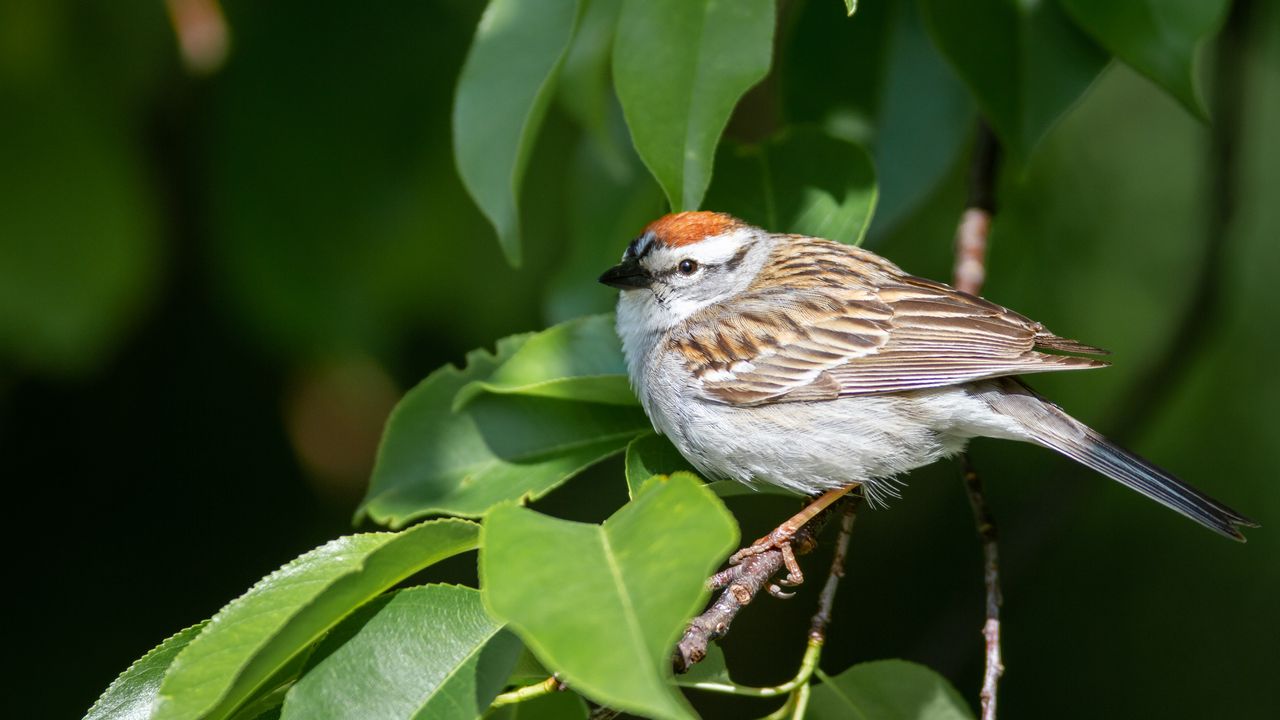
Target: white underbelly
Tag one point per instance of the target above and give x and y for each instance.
(814, 446)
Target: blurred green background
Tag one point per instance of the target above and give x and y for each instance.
(217, 274)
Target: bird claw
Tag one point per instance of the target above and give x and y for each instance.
(780, 540)
(779, 593)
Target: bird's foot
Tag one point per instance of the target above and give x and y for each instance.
(780, 539)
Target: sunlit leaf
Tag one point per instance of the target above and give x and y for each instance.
(280, 617)
(1026, 63)
(502, 98)
(130, 696)
(497, 448)
(1158, 38)
(575, 360)
(803, 181)
(635, 581)
(888, 690)
(556, 706)
(427, 652)
(680, 67)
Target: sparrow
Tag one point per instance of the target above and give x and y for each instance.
(821, 367)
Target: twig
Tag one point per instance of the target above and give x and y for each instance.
(203, 36)
(975, 224)
(991, 578)
(822, 618)
(798, 688)
(738, 585)
(972, 237)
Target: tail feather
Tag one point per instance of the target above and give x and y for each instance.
(1048, 425)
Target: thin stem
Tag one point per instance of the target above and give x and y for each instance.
(203, 36)
(991, 578)
(974, 230)
(738, 586)
(972, 239)
(822, 618)
(800, 701)
(808, 663)
(528, 692)
(798, 687)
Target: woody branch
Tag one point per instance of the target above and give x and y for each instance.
(972, 237)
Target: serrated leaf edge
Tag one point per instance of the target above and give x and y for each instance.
(146, 656)
(283, 569)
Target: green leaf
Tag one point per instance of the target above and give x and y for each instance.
(613, 198)
(575, 360)
(887, 690)
(733, 488)
(584, 89)
(281, 616)
(803, 181)
(1158, 38)
(712, 669)
(502, 98)
(498, 448)
(634, 581)
(428, 652)
(649, 455)
(680, 67)
(851, 7)
(832, 72)
(130, 696)
(1024, 62)
(924, 120)
(556, 706)
(527, 670)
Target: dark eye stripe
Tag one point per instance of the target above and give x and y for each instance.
(732, 263)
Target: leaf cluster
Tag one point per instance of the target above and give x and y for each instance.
(343, 631)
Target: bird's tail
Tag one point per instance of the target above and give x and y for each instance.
(1047, 424)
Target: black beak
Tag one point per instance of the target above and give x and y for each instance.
(626, 275)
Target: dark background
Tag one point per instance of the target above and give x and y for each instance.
(214, 285)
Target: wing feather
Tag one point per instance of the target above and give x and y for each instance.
(839, 321)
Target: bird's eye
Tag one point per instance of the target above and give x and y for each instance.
(687, 267)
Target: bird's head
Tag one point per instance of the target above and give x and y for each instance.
(684, 262)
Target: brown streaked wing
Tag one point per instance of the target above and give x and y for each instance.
(787, 342)
(878, 330)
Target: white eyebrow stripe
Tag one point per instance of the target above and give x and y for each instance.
(717, 249)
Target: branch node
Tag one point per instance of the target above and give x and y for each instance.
(739, 584)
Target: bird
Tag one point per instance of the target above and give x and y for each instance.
(822, 368)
